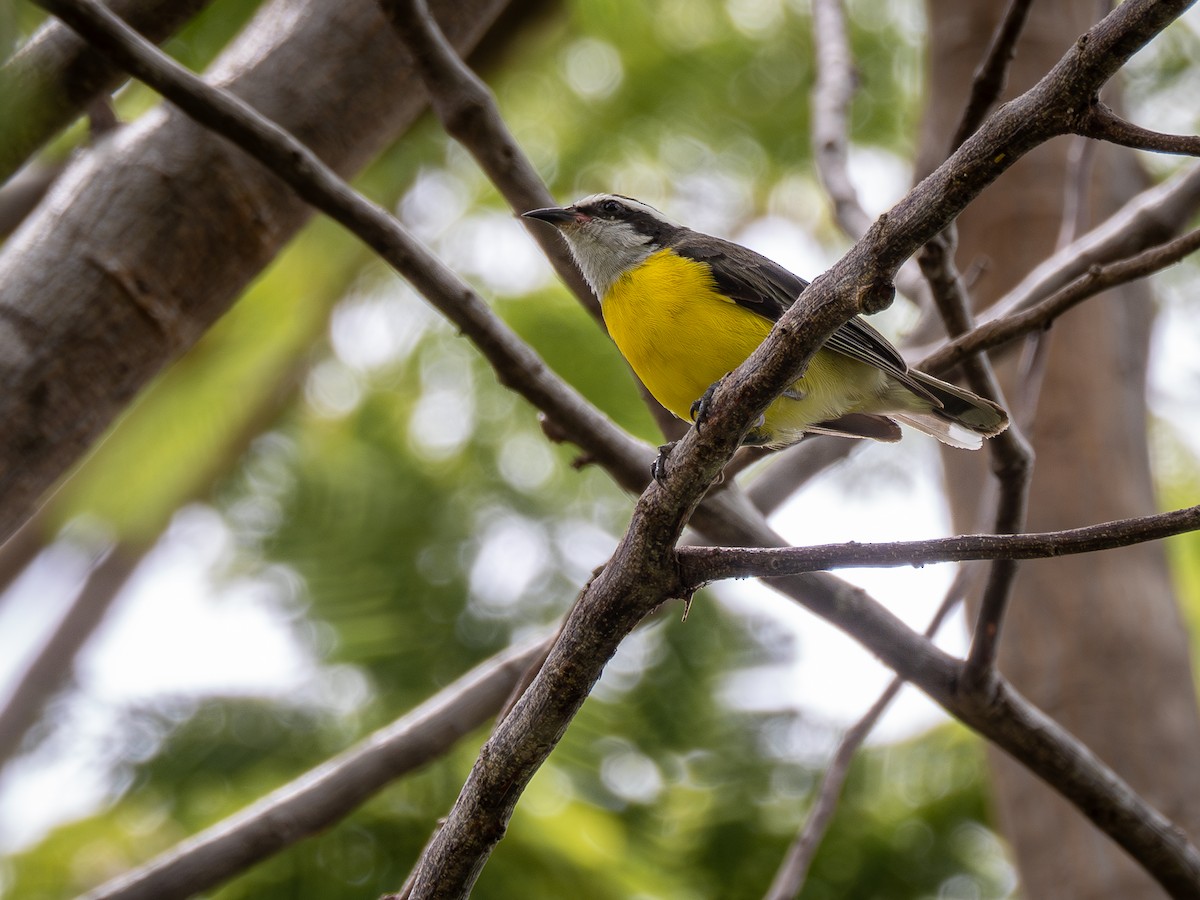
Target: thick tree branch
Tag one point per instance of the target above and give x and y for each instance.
(699, 566)
(51, 80)
(324, 795)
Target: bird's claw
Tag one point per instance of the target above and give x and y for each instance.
(699, 409)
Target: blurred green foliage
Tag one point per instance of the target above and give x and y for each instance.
(358, 444)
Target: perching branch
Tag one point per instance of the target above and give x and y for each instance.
(700, 566)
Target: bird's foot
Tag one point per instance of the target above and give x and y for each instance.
(699, 409)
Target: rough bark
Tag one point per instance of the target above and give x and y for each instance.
(150, 237)
(1097, 643)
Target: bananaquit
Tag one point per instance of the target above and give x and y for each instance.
(685, 308)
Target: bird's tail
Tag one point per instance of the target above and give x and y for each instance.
(962, 420)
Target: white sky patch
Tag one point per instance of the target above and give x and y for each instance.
(513, 552)
(171, 633)
(495, 249)
(436, 200)
(833, 677)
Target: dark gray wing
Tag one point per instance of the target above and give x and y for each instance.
(768, 289)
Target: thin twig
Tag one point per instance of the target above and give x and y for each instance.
(831, 96)
(1096, 280)
(703, 565)
(52, 667)
(990, 78)
(793, 871)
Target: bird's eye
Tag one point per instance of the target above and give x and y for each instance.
(610, 207)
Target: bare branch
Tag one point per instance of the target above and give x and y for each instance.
(51, 668)
(467, 110)
(1011, 456)
(703, 565)
(1097, 279)
(831, 96)
(324, 795)
(793, 871)
(992, 75)
(1101, 123)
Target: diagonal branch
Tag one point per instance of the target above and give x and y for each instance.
(793, 871)
(1097, 279)
(1011, 457)
(467, 110)
(323, 795)
(700, 566)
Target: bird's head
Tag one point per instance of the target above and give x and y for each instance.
(608, 235)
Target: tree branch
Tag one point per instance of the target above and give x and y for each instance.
(699, 566)
(1097, 279)
(793, 871)
(1102, 124)
(324, 795)
(992, 75)
(1011, 457)
(831, 96)
(467, 110)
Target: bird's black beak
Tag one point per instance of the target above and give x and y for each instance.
(555, 215)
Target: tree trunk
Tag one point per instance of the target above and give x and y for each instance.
(150, 237)
(1096, 641)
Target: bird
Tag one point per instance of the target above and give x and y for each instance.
(685, 308)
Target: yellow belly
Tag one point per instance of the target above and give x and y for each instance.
(680, 336)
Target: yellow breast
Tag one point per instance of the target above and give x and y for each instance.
(677, 332)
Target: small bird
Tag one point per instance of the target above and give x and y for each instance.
(686, 308)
